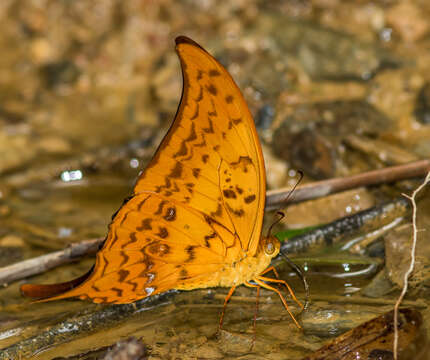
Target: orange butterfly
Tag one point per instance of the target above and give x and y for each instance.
(196, 214)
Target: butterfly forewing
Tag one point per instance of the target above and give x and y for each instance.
(211, 159)
(198, 206)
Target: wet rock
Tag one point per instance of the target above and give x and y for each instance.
(12, 115)
(408, 20)
(328, 54)
(276, 170)
(16, 150)
(374, 339)
(422, 148)
(333, 321)
(265, 117)
(311, 138)
(422, 106)
(130, 349)
(57, 73)
(379, 286)
(9, 254)
(54, 145)
(398, 244)
(233, 342)
(384, 151)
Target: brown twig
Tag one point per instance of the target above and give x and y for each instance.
(275, 199)
(46, 262)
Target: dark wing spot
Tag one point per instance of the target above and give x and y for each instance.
(182, 150)
(125, 258)
(163, 232)
(190, 187)
(95, 288)
(208, 219)
(214, 72)
(203, 142)
(237, 213)
(146, 225)
(157, 248)
(218, 211)
(170, 214)
(229, 194)
(196, 113)
(205, 158)
(229, 99)
(192, 135)
(167, 184)
(124, 218)
(132, 240)
(176, 171)
(196, 172)
(150, 278)
(239, 190)
(210, 129)
(139, 207)
(208, 237)
(200, 96)
(147, 265)
(199, 74)
(160, 207)
(191, 253)
(164, 249)
(123, 275)
(237, 121)
(212, 89)
(118, 291)
(249, 199)
(183, 274)
(213, 111)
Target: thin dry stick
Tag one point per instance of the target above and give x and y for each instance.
(412, 263)
(46, 262)
(275, 199)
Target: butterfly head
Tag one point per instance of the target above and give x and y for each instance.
(271, 246)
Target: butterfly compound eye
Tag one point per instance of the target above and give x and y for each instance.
(269, 248)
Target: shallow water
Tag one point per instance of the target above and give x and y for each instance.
(87, 90)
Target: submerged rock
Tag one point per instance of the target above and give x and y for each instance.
(311, 138)
(422, 106)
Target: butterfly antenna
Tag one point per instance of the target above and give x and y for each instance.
(290, 193)
(295, 267)
(299, 272)
(281, 216)
(280, 213)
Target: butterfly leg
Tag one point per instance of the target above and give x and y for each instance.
(279, 281)
(254, 327)
(271, 268)
(260, 280)
(227, 298)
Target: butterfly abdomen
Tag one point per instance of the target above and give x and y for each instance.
(232, 274)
